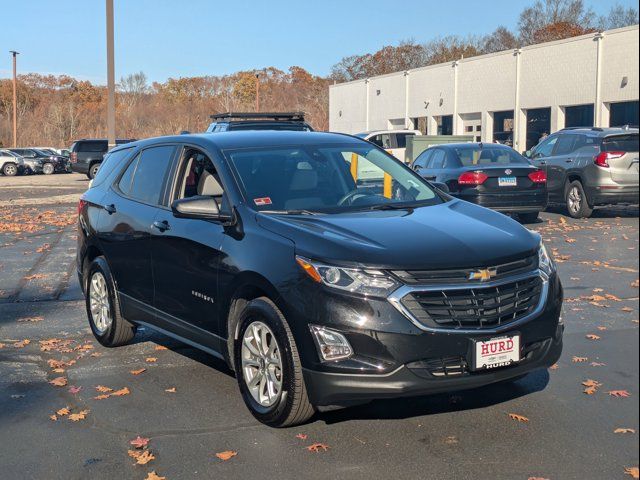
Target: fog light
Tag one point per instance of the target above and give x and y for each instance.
(332, 345)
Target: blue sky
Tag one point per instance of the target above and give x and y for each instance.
(174, 38)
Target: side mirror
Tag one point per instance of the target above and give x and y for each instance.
(443, 187)
(200, 206)
(527, 153)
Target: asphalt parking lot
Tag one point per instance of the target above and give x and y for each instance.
(188, 405)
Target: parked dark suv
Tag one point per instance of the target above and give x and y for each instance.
(41, 161)
(318, 289)
(86, 154)
(587, 167)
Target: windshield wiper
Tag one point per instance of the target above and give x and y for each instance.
(391, 206)
(290, 212)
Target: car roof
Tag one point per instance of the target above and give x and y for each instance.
(598, 131)
(472, 144)
(372, 132)
(249, 139)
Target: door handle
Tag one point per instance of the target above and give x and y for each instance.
(111, 208)
(161, 226)
(569, 160)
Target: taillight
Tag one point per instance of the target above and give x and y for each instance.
(472, 178)
(602, 160)
(81, 204)
(539, 176)
(73, 157)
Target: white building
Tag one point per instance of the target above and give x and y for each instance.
(586, 80)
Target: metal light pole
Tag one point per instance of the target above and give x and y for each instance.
(15, 101)
(111, 82)
(257, 92)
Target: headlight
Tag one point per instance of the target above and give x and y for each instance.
(545, 261)
(361, 281)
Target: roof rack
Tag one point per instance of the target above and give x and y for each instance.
(283, 116)
(595, 129)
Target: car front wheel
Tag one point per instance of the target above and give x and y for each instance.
(268, 367)
(10, 169)
(103, 307)
(576, 201)
(48, 168)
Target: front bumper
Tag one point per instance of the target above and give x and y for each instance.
(395, 357)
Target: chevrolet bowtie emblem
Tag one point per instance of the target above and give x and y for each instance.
(483, 275)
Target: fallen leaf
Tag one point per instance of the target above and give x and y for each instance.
(73, 390)
(635, 283)
(151, 359)
(592, 336)
(318, 447)
(160, 347)
(145, 457)
(624, 430)
(170, 390)
(102, 388)
(53, 417)
(31, 319)
(555, 366)
(59, 381)
(633, 471)
(301, 436)
(226, 455)
(590, 390)
(63, 411)
(139, 442)
(598, 364)
(102, 397)
(537, 478)
(591, 383)
(519, 418)
(619, 393)
(602, 329)
(138, 372)
(121, 392)
(75, 417)
(22, 343)
(154, 476)
(579, 359)
(627, 309)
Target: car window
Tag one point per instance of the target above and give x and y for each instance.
(437, 159)
(545, 148)
(423, 159)
(112, 162)
(473, 154)
(92, 147)
(383, 140)
(401, 139)
(124, 184)
(565, 144)
(150, 173)
(620, 143)
(198, 176)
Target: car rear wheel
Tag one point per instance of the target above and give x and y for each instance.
(48, 168)
(10, 169)
(529, 217)
(576, 200)
(103, 307)
(93, 170)
(268, 367)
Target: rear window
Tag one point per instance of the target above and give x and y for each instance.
(92, 147)
(470, 156)
(110, 164)
(620, 143)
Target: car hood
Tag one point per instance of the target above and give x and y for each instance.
(450, 235)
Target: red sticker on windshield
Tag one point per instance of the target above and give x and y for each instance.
(262, 201)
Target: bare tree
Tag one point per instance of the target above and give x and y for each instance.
(546, 12)
(618, 17)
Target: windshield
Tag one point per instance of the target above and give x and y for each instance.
(42, 153)
(327, 179)
(487, 155)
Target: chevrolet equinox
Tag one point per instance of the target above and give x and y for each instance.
(324, 271)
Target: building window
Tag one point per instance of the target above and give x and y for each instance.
(503, 127)
(578, 116)
(420, 123)
(445, 125)
(623, 113)
(538, 125)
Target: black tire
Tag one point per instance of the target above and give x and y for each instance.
(292, 407)
(576, 201)
(93, 170)
(120, 332)
(529, 217)
(10, 169)
(48, 168)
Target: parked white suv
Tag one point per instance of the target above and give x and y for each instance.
(393, 141)
(10, 163)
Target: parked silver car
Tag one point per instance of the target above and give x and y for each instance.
(10, 163)
(587, 167)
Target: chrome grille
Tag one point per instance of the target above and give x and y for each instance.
(475, 307)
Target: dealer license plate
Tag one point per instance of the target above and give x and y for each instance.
(496, 352)
(507, 182)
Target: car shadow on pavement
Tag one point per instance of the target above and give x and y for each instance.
(402, 408)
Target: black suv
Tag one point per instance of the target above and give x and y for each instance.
(86, 155)
(318, 284)
(587, 167)
(230, 121)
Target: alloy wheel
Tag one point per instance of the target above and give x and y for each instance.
(574, 200)
(47, 169)
(261, 364)
(99, 303)
(10, 170)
